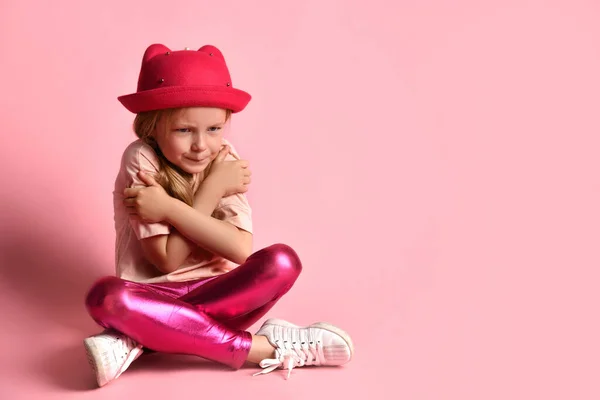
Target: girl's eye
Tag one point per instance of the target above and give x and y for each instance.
(182, 130)
(214, 129)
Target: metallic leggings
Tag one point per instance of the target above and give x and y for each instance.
(207, 317)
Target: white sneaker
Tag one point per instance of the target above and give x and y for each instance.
(295, 346)
(110, 353)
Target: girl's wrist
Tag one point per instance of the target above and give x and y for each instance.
(208, 196)
(209, 188)
(171, 208)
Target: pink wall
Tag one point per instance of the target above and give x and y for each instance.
(434, 163)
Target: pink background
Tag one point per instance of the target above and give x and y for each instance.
(434, 163)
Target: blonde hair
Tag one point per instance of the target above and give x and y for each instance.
(176, 182)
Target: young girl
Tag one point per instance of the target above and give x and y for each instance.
(187, 280)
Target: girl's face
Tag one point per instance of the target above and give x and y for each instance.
(192, 138)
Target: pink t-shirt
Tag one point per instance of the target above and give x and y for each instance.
(129, 257)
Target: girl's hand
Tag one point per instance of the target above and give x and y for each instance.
(150, 203)
(230, 177)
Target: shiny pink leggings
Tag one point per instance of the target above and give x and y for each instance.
(207, 317)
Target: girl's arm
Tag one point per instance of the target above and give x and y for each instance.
(194, 226)
(168, 252)
(218, 237)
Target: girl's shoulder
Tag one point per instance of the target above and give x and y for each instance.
(138, 154)
(232, 148)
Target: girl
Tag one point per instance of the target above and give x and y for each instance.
(187, 280)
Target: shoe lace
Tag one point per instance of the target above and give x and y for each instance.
(127, 350)
(289, 356)
(123, 344)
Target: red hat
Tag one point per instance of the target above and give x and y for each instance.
(173, 79)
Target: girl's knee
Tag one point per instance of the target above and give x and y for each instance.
(283, 260)
(105, 297)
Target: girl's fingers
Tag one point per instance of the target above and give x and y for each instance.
(147, 179)
(131, 192)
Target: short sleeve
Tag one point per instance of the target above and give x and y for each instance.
(141, 157)
(235, 209)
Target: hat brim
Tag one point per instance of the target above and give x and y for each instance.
(193, 96)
